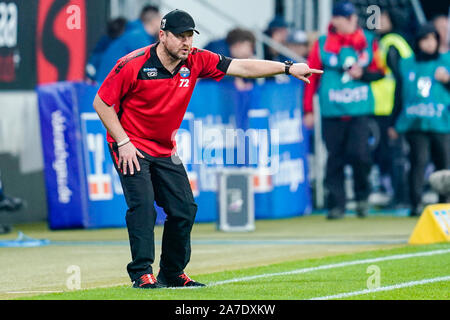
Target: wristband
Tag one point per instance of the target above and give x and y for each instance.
(123, 142)
(287, 66)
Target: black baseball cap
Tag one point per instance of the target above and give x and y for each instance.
(178, 21)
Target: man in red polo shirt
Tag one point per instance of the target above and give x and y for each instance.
(142, 103)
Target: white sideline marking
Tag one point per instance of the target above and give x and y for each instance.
(304, 270)
(332, 266)
(387, 288)
(39, 291)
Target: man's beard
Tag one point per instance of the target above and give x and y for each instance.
(174, 55)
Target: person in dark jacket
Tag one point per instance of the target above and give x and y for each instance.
(424, 116)
(278, 31)
(349, 57)
(388, 154)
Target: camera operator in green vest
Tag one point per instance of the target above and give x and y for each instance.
(424, 116)
(348, 56)
(388, 154)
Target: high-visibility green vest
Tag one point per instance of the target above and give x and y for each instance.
(340, 94)
(384, 89)
(426, 101)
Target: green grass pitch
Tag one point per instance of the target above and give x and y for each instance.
(312, 278)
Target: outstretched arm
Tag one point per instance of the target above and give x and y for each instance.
(252, 68)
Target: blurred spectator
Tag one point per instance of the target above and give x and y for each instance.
(388, 154)
(297, 41)
(114, 29)
(219, 46)
(139, 33)
(278, 31)
(441, 24)
(9, 204)
(424, 116)
(348, 56)
(241, 43)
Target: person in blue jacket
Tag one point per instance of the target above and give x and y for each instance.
(139, 33)
(114, 29)
(424, 115)
(219, 46)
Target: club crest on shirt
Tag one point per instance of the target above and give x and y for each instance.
(151, 72)
(333, 60)
(185, 72)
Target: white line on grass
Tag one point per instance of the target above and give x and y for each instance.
(304, 270)
(38, 291)
(387, 288)
(333, 266)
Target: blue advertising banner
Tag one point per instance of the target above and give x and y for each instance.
(223, 127)
(286, 191)
(61, 145)
(106, 203)
(74, 135)
(274, 143)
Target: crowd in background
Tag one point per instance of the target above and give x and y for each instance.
(397, 83)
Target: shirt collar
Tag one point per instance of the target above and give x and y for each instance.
(154, 61)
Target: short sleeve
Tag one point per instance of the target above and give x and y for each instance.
(117, 84)
(214, 65)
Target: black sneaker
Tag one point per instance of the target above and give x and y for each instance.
(10, 203)
(182, 280)
(362, 209)
(335, 214)
(416, 211)
(146, 281)
(5, 229)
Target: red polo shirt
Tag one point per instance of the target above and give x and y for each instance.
(150, 102)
